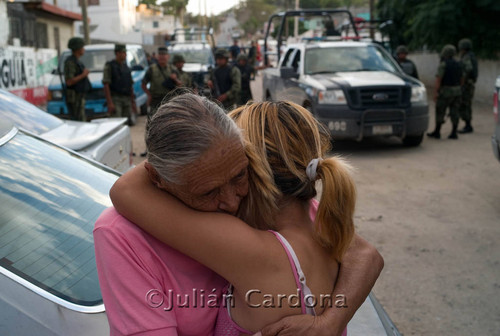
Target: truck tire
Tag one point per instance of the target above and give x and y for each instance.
(413, 140)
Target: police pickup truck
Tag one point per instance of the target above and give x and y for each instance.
(355, 88)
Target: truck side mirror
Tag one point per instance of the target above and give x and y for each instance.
(288, 72)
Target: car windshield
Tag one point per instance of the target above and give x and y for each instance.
(25, 115)
(49, 201)
(201, 56)
(347, 59)
(94, 60)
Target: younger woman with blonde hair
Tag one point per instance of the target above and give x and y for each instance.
(267, 261)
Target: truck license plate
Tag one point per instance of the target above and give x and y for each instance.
(382, 129)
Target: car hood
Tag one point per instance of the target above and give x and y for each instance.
(360, 78)
(78, 135)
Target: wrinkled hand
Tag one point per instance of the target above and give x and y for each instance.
(290, 326)
(304, 325)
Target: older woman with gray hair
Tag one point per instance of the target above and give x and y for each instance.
(199, 163)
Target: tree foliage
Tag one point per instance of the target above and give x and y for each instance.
(147, 2)
(434, 23)
(252, 14)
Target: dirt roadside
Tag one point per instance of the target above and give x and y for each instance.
(434, 214)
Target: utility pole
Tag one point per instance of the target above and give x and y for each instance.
(372, 32)
(296, 25)
(86, 35)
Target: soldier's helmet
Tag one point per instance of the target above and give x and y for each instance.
(75, 43)
(178, 58)
(120, 47)
(401, 50)
(221, 53)
(241, 57)
(465, 44)
(448, 51)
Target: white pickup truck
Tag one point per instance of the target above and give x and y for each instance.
(354, 87)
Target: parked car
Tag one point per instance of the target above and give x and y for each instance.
(94, 59)
(106, 140)
(353, 87)
(495, 139)
(49, 200)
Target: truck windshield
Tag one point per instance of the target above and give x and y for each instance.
(94, 60)
(347, 59)
(201, 56)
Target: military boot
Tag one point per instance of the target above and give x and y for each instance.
(453, 134)
(467, 128)
(437, 132)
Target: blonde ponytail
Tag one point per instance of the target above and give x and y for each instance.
(335, 216)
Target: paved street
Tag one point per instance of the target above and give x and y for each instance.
(433, 212)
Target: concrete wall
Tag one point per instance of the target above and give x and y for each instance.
(427, 64)
(4, 23)
(65, 32)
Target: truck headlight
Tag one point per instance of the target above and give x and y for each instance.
(418, 94)
(335, 97)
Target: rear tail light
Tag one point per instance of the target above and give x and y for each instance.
(495, 106)
(49, 95)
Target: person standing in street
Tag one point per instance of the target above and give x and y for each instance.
(469, 64)
(184, 77)
(234, 50)
(246, 71)
(407, 65)
(225, 80)
(117, 80)
(162, 79)
(76, 80)
(449, 78)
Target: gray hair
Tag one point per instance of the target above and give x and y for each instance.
(182, 130)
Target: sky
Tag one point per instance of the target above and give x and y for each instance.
(213, 6)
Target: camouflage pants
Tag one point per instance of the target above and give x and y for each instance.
(465, 109)
(123, 105)
(76, 106)
(444, 102)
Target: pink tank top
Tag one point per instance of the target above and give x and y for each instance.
(227, 327)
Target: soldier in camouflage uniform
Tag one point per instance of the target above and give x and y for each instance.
(225, 80)
(469, 64)
(449, 78)
(117, 80)
(184, 77)
(407, 65)
(76, 80)
(246, 71)
(162, 79)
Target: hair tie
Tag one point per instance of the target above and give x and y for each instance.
(311, 170)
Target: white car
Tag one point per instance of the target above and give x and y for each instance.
(105, 140)
(49, 200)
